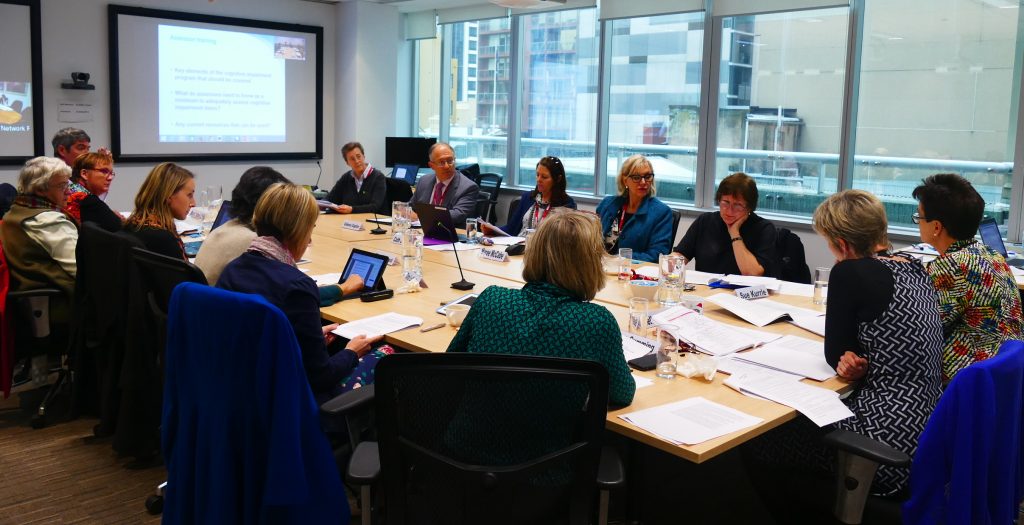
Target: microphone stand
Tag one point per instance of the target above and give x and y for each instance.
(378, 230)
(463, 284)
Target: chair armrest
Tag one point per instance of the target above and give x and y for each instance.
(347, 402)
(610, 472)
(38, 292)
(364, 467)
(866, 447)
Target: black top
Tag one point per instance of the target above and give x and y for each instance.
(709, 242)
(95, 210)
(859, 290)
(369, 198)
(159, 240)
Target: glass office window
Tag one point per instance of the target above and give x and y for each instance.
(478, 125)
(937, 85)
(559, 95)
(654, 99)
(780, 105)
(428, 87)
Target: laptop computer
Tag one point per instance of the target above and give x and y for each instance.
(989, 231)
(223, 215)
(406, 172)
(432, 218)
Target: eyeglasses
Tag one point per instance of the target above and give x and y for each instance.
(107, 172)
(63, 185)
(917, 218)
(445, 162)
(734, 206)
(637, 177)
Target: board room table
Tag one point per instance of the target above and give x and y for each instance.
(328, 253)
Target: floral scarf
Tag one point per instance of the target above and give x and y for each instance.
(35, 202)
(271, 248)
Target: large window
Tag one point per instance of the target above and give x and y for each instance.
(654, 99)
(478, 124)
(428, 87)
(780, 105)
(559, 95)
(937, 85)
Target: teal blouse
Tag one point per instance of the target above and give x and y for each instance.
(544, 320)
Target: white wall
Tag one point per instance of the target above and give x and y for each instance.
(75, 39)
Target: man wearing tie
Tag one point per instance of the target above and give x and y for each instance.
(446, 187)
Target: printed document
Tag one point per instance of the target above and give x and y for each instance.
(711, 337)
(792, 354)
(691, 421)
(760, 312)
(820, 405)
(377, 325)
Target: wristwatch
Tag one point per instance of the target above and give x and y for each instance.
(734, 239)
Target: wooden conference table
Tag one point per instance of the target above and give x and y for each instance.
(332, 245)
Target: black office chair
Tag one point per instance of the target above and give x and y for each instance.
(34, 335)
(7, 195)
(160, 274)
(491, 184)
(487, 438)
(676, 217)
(792, 261)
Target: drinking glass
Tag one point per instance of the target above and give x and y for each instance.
(638, 316)
(399, 217)
(214, 195)
(412, 258)
(668, 350)
(672, 278)
(625, 263)
(472, 227)
(821, 285)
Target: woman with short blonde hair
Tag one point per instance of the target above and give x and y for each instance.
(635, 218)
(856, 220)
(168, 193)
(552, 314)
(284, 219)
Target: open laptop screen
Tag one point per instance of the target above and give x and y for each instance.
(989, 231)
(224, 215)
(406, 172)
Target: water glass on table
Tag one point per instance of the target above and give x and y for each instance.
(472, 228)
(671, 278)
(625, 264)
(400, 217)
(638, 307)
(667, 352)
(821, 285)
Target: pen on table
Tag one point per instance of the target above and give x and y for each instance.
(431, 327)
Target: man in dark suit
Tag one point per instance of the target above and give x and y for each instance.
(447, 187)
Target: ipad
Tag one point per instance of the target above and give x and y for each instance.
(467, 299)
(369, 266)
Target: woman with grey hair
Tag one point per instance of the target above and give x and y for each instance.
(38, 237)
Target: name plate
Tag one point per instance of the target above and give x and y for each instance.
(352, 225)
(396, 238)
(752, 292)
(492, 254)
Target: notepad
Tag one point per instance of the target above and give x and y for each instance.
(377, 325)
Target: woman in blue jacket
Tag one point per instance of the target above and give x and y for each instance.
(635, 218)
(547, 199)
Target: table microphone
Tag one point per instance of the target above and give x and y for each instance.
(378, 230)
(463, 284)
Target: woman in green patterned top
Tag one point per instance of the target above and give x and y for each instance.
(552, 314)
(978, 298)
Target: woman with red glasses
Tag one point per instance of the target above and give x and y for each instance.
(90, 181)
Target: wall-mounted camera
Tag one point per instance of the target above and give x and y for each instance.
(79, 80)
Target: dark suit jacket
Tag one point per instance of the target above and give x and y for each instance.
(369, 198)
(460, 199)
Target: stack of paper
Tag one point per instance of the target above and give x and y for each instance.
(695, 277)
(707, 335)
(760, 312)
(326, 279)
(691, 421)
(769, 283)
(447, 247)
(377, 325)
(792, 354)
(820, 405)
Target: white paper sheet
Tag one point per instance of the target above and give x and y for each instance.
(634, 346)
(377, 325)
(799, 289)
(691, 421)
(793, 354)
(695, 277)
(506, 241)
(820, 405)
(642, 382)
(770, 283)
(760, 312)
(462, 247)
(815, 325)
(326, 279)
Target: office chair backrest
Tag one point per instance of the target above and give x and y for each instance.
(969, 464)
(676, 217)
(491, 184)
(240, 430)
(397, 190)
(792, 261)
(7, 194)
(485, 438)
(160, 274)
(102, 282)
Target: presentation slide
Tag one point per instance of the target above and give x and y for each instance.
(17, 126)
(199, 87)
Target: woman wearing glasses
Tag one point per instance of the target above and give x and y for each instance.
(733, 240)
(90, 181)
(635, 218)
(978, 299)
(547, 199)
